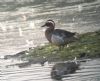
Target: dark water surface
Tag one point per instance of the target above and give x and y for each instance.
(20, 28)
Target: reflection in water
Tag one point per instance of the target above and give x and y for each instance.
(20, 22)
(88, 71)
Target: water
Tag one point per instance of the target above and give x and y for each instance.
(89, 71)
(21, 20)
(20, 28)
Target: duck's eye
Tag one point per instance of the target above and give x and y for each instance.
(48, 24)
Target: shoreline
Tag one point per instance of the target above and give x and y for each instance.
(88, 46)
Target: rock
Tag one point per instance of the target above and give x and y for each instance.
(60, 69)
(17, 55)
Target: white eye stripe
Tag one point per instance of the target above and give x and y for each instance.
(51, 22)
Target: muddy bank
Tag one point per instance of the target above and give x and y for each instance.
(88, 46)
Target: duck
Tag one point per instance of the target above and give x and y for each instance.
(58, 37)
(63, 68)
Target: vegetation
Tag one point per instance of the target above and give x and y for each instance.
(87, 46)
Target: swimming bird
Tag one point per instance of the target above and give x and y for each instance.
(60, 69)
(58, 37)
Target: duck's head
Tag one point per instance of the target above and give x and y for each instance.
(50, 24)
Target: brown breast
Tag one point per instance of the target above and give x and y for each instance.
(48, 34)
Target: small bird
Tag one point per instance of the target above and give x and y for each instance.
(58, 37)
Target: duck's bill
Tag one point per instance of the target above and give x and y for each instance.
(43, 25)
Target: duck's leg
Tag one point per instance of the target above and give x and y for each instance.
(61, 48)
